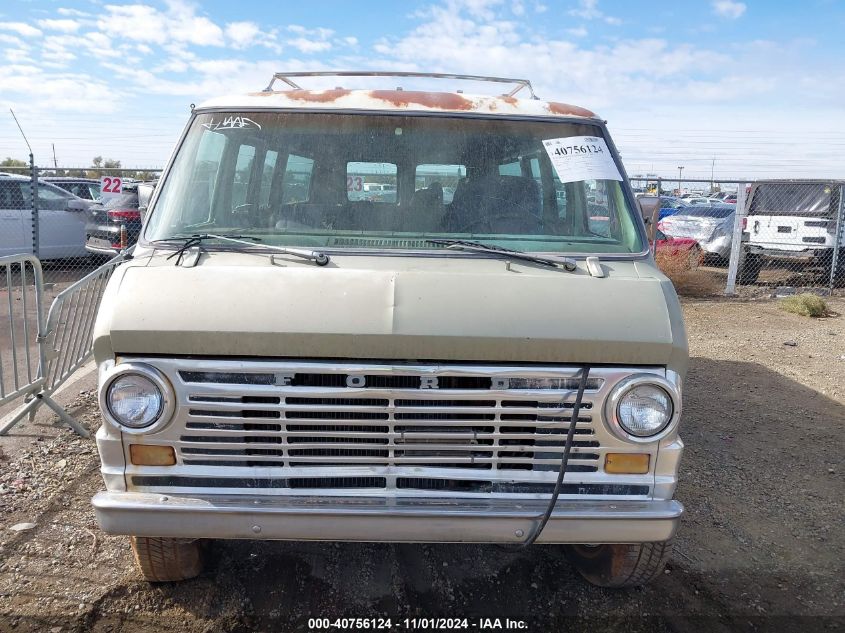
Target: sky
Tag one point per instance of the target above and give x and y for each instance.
(743, 89)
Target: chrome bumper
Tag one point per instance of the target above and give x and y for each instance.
(383, 520)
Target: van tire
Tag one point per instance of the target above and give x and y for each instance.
(167, 559)
(750, 270)
(620, 565)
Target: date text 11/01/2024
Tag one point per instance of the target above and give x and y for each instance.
(414, 624)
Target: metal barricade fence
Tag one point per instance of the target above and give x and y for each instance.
(21, 324)
(64, 342)
(70, 324)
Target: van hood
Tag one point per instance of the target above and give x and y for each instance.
(392, 308)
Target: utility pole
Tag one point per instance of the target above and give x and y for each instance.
(712, 171)
(33, 187)
(680, 177)
(55, 162)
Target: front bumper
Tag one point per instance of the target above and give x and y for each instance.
(373, 519)
(806, 255)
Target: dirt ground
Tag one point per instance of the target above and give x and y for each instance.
(761, 547)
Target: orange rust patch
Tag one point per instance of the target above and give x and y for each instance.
(324, 96)
(510, 100)
(260, 94)
(438, 100)
(569, 110)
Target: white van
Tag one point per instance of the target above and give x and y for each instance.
(61, 220)
(793, 220)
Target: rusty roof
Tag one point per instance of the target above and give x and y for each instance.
(401, 100)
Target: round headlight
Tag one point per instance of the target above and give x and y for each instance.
(644, 410)
(134, 400)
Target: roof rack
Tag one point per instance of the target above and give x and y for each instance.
(519, 84)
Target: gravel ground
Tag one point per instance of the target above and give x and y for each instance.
(762, 546)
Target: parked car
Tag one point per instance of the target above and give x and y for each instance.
(730, 198)
(114, 224)
(61, 219)
(670, 205)
(795, 221)
(85, 188)
(685, 247)
(709, 225)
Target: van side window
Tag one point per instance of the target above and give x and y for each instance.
(510, 169)
(243, 175)
(270, 160)
(437, 183)
(296, 184)
(374, 182)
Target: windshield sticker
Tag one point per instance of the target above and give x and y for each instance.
(232, 123)
(577, 158)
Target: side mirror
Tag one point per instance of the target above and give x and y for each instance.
(145, 192)
(77, 205)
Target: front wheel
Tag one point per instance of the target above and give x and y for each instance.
(618, 566)
(167, 559)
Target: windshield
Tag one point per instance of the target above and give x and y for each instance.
(122, 201)
(389, 181)
(813, 199)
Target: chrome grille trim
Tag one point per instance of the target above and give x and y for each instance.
(453, 442)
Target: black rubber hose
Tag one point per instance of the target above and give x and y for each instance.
(564, 460)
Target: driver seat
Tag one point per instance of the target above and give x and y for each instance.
(496, 204)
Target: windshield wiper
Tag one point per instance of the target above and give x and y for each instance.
(318, 257)
(477, 247)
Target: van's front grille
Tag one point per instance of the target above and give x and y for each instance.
(446, 429)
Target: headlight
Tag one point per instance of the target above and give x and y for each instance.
(644, 410)
(136, 397)
(134, 400)
(643, 407)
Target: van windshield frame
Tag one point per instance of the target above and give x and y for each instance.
(279, 175)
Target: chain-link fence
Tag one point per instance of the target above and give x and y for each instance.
(61, 216)
(791, 234)
(749, 237)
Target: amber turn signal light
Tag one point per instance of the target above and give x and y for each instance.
(151, 455)
(626, 463)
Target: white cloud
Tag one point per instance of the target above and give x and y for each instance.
(137, 22)
(588, 10)
(21, 28)
(11, 39)
(57, 91)
(729, 8)
(65, 26)
(242, 34)
(72, 12)
(311, 40)
(306, 45)
(578, 32)
(145, 23)
(483, 9)
(15, 55)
